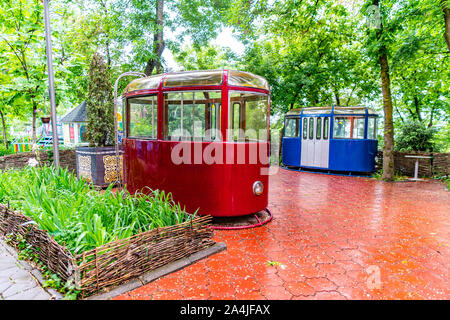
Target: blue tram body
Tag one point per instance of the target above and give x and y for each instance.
(331, 138)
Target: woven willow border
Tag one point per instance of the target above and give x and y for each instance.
(114, 262)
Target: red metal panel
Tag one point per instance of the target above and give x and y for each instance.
(219, 189)
(216, 189)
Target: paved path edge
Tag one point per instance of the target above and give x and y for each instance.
(35, 273)
(160, 272)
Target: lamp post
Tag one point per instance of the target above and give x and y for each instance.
(51, 83)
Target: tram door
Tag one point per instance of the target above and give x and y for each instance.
(315, 142)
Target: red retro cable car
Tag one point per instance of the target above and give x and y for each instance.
(201, 135)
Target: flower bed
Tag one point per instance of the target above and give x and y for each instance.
(95, 239)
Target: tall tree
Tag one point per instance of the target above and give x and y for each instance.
(22, 35)
(446, 10)
(378, 38)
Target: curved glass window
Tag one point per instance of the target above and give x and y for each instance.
(143, 115)
(318, 128)
(311, 128)
(194, 78)
(326, 124)
(247, 79)
(342, 127)
(358, 128)
(372, 128)
(192, 115)
(144, 83)
(317, 110)
(291, 127)
(348, 128)
(248, 116)
(305, 128)
(350, 110)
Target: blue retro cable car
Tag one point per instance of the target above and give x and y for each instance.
(341, 139)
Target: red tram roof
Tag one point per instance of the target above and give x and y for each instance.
(198, 78)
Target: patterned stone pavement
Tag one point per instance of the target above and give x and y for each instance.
(332, 237)
(16, 281)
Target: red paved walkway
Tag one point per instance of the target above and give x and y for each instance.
(332, 236)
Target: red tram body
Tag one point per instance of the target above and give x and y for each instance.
(201, 135)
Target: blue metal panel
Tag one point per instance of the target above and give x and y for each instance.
(291, 151)
(353, 155)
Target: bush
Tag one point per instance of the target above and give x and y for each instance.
(4, 150)
(415, 136)
(99, 104)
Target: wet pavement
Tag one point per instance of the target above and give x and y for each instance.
(16, 279)
(332, 237)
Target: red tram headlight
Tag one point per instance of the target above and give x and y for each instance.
(258, 188)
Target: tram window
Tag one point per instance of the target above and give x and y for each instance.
(342, 127)
(212, 113)
(291, 127)
(311, 128)
(318, 128)
(372, 128)
(248, 116)
(326, 121)
(236, 125)
(305, 128)
(143, 117)
(193, 115)
(358, 128)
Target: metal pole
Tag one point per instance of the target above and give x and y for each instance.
(416, 170)
(51, 83)
(116, 129)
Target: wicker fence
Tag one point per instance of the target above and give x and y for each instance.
(437, 165)
(112, 263)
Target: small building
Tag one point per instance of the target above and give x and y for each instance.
(74, 126)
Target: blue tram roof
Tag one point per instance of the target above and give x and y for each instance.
(331, 110)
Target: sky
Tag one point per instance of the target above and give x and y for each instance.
(224, 39)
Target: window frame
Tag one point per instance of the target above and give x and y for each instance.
(305, 129)
(375, 127)
(154, 113)
(230, 121)
(326, 128)
(354, 127)
(216, 102)
(311, 128)
(319, 128)
(296, 127)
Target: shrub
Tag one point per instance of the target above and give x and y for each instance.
(99, 104)
(415, 136)
(4, 150)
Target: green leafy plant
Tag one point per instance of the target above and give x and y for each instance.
(80, 217)
(99, 104)
(4, 150)
(415, 136)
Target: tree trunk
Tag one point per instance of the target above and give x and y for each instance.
(446, 10)
(5, 141)
(417, 107)
(158, 41)
(336, 96)
(34, 122)
(388, 149)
